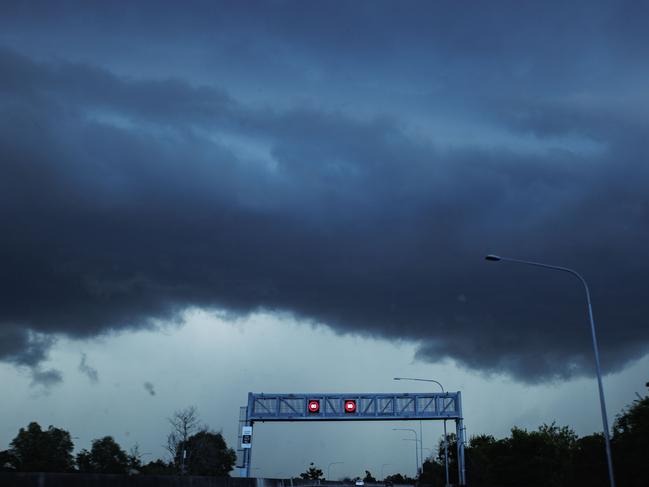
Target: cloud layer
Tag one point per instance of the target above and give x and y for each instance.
(125, 200)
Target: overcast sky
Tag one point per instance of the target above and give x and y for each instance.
(204, 199)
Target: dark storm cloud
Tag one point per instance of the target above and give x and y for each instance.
(89, 371)
(23, 347)
(127, 199)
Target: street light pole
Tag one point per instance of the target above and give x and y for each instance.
(384, 465)
(329, 467)
(445, 436)
(416, 448)
(602, 402)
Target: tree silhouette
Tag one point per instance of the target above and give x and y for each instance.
(35, 450)
(631, 444)
(313, 473)
(368, 477)
(105, 456)
(184, 423)
(207, 454)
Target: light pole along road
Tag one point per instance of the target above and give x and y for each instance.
(329, 468)
(602, 403)
(416, 447)
(382, 474)
(445, 437)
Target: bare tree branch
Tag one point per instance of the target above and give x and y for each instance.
(184, 423)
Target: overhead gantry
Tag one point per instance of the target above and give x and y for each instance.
(264, 407)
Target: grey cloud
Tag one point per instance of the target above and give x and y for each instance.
(46, 378)
(89, 371)
(143, 197)
(148, 386)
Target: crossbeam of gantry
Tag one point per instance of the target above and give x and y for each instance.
(368, 406)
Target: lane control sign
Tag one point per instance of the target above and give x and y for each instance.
(246, 437)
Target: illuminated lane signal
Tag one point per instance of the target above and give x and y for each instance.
(314, 406)
(350, 406)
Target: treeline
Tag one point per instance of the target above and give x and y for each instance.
(552, 456)
(315, 473)
(193, 450)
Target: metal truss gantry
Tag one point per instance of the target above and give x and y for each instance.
(263, 407)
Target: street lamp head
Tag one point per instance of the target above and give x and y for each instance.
(492, 257)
